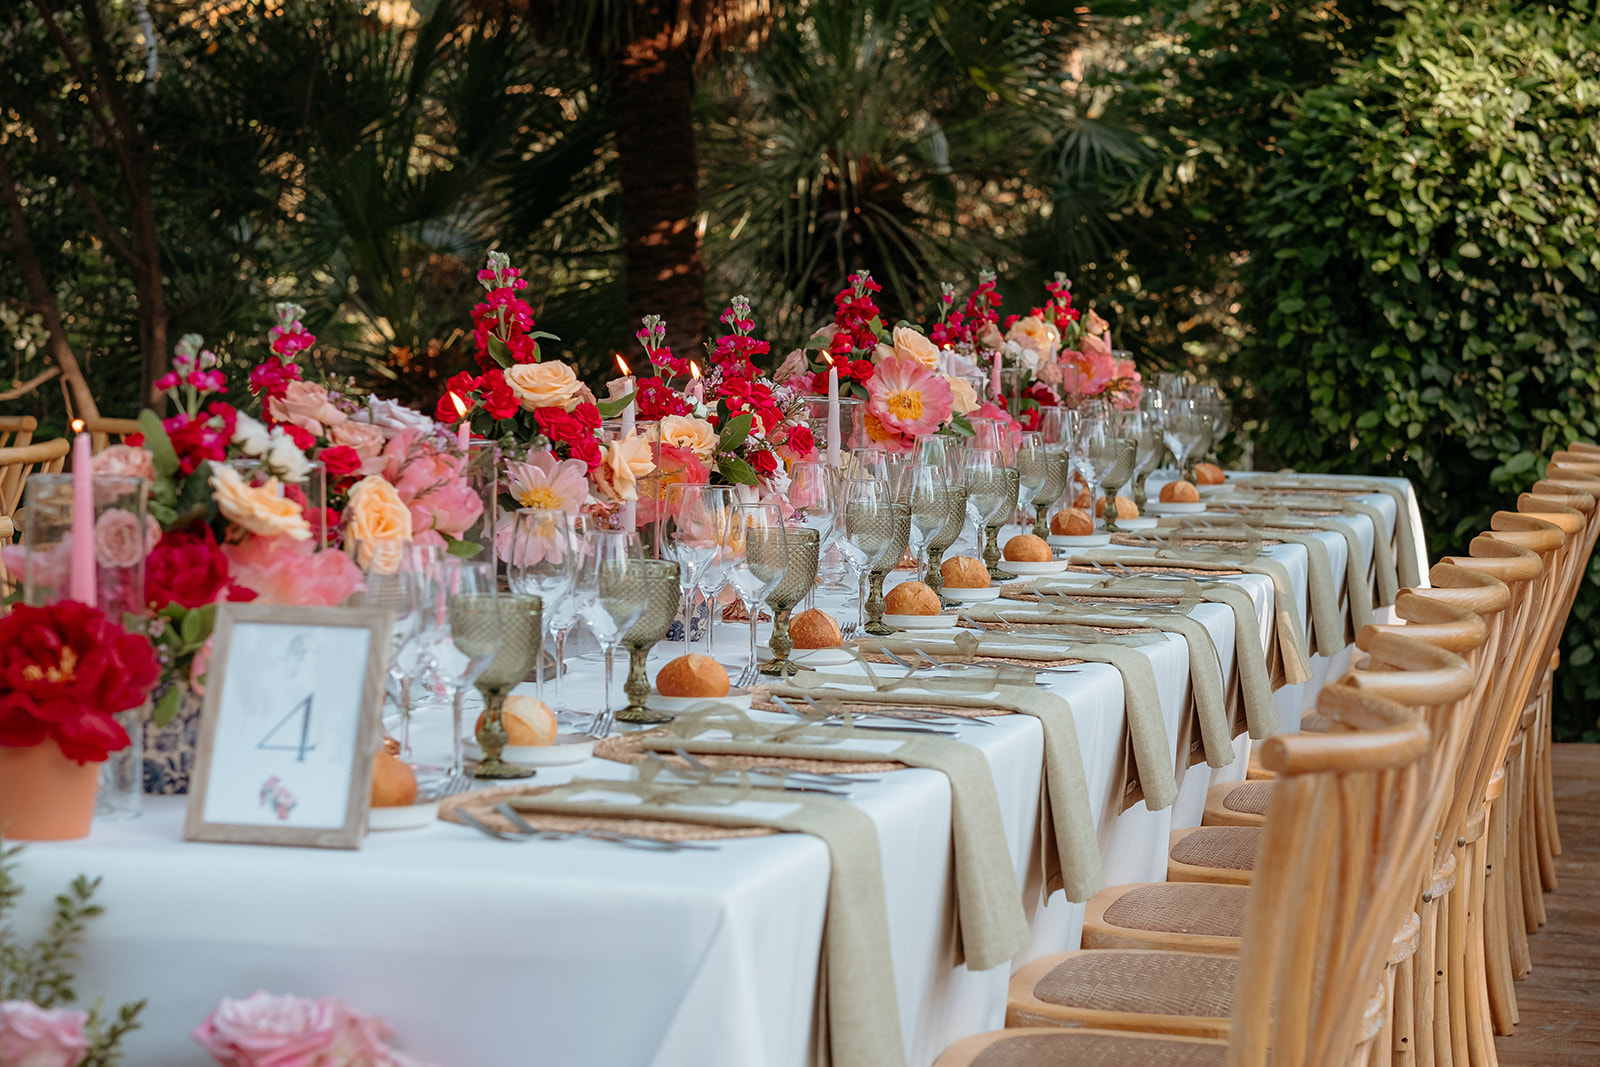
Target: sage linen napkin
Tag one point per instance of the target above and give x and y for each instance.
(1292, 647)
(1205, 667)
(1069, 848)
(1147, 728)
(1404, 536)
(858, 1014)
(1327, 634)
(1252, 665)
(1323, 512)
(991, 924)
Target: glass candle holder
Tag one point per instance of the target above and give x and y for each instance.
(482, 472)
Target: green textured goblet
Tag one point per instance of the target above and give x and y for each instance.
(1059, 466)
(662, 596)
(899, 541)
(995, 493)
(802, 547)
(1147, 433)
(954, 498)
(1123, 452)
(520, 622)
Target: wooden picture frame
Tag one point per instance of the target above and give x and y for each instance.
(291, 723)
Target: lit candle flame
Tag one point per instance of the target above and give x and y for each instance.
(77, 425)
(461, 408)
(828, 357)
(623, 365)
(694, 369)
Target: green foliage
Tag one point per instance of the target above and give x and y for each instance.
(1425, 284)
(42, 972)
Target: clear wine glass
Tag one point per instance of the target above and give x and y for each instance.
(929, 510)
(472, 606)
(1145, 428)
(1184, 429)
(695, 520)
(1033, 469)
(755, 553)
(866, 529)
(813, 493)
(542, 561)
(396, 579)
(610, 594)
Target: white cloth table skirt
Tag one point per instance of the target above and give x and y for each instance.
(489, 954)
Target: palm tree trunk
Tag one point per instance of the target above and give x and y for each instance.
(652, 97)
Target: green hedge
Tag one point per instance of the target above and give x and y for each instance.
(1425, 280)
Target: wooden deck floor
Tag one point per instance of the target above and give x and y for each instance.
(1560, 1001)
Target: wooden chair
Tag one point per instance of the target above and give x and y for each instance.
(17, 430)
(102, 431)
(17, 462)
(1319, 924)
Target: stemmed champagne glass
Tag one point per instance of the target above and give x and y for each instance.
(695, 521)
(542, 561)
(813, 489)
(611, 595)
(472, 611)
(866, 528)
(943, 453)
(1208, 403)
(1184, 429)
(928, 509)
(756, 556)
(992, 491)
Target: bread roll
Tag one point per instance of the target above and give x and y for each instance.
(815, 629)
(528, 722)
(693, 676)
(1026, 548)
(1071, 522)
(1208, 474)
(964, 572)
(912, 598)
(1126, 509)
(1179, 493)
(394, 783)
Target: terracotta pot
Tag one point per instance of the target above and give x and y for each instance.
(44, 796)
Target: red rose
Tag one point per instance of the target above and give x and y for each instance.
(303, 439)
(65, 670)
(588, 416)
(801, 441)
(861, 370)
(765, 463)
(461, 385)
(586, 449)
(498, 399)
(340, 461)
(186, 568)
(558, 425)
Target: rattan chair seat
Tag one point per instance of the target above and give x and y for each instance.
(1067, 1048)
(1249, 798)
(1225, 848)
(1154, 983)
(1181, 908)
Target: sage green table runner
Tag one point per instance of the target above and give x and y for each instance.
(858, 1015)
(1069, 847)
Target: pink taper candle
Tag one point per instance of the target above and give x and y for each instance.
(630, 510)
(83, 576)
(835, 457)
(994, 377)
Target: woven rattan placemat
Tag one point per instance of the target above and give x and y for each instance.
(481, 802)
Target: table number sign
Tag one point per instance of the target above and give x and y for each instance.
(291, 723)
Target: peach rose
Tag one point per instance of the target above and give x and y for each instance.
(697, 435)
(545, 385)
(125, 461)
(377, 524)
(118, 539)
(1093, 344)
(909, 344)
(963, 397)
(366, 439)
(306, 405)
(1096, 325)
(1032, 332)
(623, 464)
(991, 337)
(263, 510)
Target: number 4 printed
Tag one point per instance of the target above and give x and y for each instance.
(302, 709)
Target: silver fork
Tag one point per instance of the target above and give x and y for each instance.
(747, 677)
(602, 723)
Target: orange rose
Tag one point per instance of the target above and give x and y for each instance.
(1034, 333)
(377, 524)
(963, 397)
(550, 384)
(262, 510)
(624, 463)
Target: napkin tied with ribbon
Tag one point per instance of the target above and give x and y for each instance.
(858, 1015)
(1069, 847)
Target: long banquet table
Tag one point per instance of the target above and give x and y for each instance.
(579, 952)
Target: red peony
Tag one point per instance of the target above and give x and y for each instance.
(497, 398)
(65, 671)
(187, 568)
(303, 438)
(340, 461)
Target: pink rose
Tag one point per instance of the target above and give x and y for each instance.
(306, 405)
(991, 337)
(118, 539)
(1093, 344)
(288, 1031)
(450, 509)
(285, 571)
(31, 1036)
(366, 439)
(126, 461)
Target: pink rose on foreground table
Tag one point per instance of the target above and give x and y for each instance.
(264, 1030)
(31, 1036)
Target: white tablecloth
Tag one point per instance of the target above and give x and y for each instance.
(484, 954)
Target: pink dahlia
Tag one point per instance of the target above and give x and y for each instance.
(908, 398)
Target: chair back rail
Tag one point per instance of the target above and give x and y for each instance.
(18, 462)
